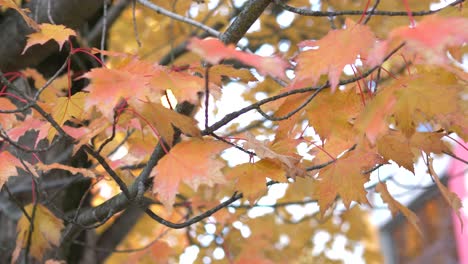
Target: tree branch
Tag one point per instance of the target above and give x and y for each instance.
(178, 17)
(373, 12)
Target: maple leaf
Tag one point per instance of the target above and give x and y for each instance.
(46, 232)
(395, 206)
(337, 49)
(345, 178)
(158, 253)
(72, 170)
(433, 36)
(213, 51)
(432, 94)
(429, 142)
(108, 86)
(373, 119)
(23, 12)
(163, 120)
(395, 146)
(423, 97)
(193, 162)
(281, 151)
(30, 123)
(7, 120)
(222, 70)
(58, 33)
(54, 261)
(450, 197)
(184, 85)
(66, 108)
(251, 177)
(8, 164)
(332, 113)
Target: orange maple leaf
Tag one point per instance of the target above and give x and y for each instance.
(7, 120)
(163, 120)
(184, 85)
(397, 147)
(193, 162)
(373, 119)
(345, 178)
(108, 86)
(47, 32)
(30, 123)
(337, 49)
(8, 164)
(213, 51)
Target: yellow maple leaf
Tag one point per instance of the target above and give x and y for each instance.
(65, 109)
(331, 113)
(395, 146)
(46, 232)
(426, 95)
(47, 32)
(219, 71)
(251, 177)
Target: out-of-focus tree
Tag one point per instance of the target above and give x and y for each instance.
(138, 130)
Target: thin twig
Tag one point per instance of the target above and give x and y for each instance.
(308, 12)
(135, 26)
(105, 4)
(369, 16)
(180, 18)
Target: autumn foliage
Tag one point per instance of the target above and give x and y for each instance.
(350, 94)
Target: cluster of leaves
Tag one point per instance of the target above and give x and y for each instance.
(404, 78)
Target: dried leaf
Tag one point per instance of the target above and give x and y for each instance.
(395, 206)
(450, 197)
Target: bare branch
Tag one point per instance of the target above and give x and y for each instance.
(178, 17)
(373, 12)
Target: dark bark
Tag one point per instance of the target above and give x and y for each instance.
(72, 13)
